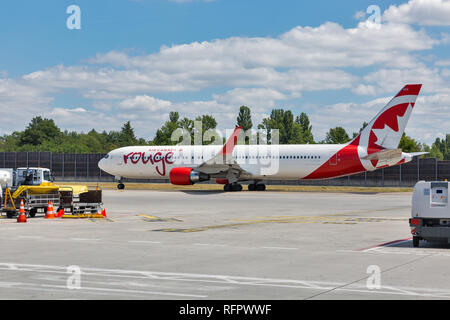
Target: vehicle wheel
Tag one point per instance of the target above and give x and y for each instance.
(260, 187)
(32, 212)
(416, 241)
(252, 187)
(227, 187)
(236, 187)
(10, 214)
(120, 186)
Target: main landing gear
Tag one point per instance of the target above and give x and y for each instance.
(232, 187)
(237, 187)
(256, 187)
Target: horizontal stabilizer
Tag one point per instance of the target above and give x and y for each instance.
(384, 155)
(416, 154)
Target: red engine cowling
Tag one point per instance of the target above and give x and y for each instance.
(186, 176)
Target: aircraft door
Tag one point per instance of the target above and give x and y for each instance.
(118, 159)
(333, 159)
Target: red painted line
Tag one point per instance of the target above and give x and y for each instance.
(385, 244)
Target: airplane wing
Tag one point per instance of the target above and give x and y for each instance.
(222, 164)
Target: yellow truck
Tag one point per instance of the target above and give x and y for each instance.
(36, 188)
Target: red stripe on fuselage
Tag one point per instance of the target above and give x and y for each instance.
(347, 163)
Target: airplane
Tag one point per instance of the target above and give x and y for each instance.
(375, 147)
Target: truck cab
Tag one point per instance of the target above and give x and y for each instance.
(32, 176)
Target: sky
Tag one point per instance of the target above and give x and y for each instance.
(137, 60)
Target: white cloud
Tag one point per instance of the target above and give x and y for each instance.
(261, 72)
(421, 12)
(329, 45)
(443, 63)
(390, 80)
(145, 103)
(360, 15)
(363, 89)
(428, 120)
(256, 98)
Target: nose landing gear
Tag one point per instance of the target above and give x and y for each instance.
(120, 186)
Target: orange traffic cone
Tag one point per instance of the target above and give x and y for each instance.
(104, 213)
(60, 213)
(50, 213)
(22, 217)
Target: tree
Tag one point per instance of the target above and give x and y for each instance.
(38, 131)
(433, 152)
(355, 134)
(244, 118)
(303, 121)
(443, 146)
(164, 135)
(127, 136)
(408, 144)
(290, 132)
(337, 135)
(208, 123)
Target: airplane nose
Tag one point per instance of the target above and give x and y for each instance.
(102, 164)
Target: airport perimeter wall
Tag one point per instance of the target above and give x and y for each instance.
(83, 167)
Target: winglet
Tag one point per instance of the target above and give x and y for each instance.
(228, 147)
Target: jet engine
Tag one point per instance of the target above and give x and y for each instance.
(187, 176)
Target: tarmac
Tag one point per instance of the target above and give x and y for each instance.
(215, 245)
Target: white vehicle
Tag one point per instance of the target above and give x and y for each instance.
(375, 147)
(32, 176)
(430, 212)
(5, 180)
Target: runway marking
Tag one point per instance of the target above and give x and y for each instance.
(143, 241)
(23, 285)
(203, 228)
(84, 239)
(286, 219)
(279, 248)
(319, 219)
(210, 244)
(385, 244)
(101, 220)
(30, 237)
(148, 218)
(117, 274)
(402, 251)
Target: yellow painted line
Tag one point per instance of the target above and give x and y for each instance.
(149, 218)
(197, 229)
(101, 220)
(83, 216)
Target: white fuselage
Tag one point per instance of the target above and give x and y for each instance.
(268, 162)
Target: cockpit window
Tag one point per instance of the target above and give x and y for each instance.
(106, 156)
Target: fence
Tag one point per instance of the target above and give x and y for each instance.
(83, 167)
(65, 166)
